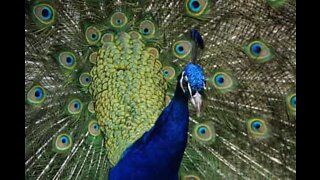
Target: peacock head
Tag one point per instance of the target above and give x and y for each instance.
(193, 83)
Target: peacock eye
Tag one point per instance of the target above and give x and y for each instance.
(191, 177)
(256, 49)
(74, 106)
(222, 81)
(118, 20)
(94, 128)
(168, 72)
(92, 35)
(85, 79)
(67, 60)
(36, 95)
(146, 31)
(196, 8)
(147, 28)
(63, 142)
(44, 13)
(257, 128)
(259, 51)
(219, 80)
(181, 49)
(291, 101)
(204, 133)
(256, 125)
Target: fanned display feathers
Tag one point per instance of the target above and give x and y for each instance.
(98, 74)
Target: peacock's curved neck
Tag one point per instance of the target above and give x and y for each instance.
(179, 95)
(174, 125)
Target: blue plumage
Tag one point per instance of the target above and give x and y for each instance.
(195, 76)
(158, 153)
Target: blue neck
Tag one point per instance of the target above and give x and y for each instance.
(172, 125)
(158, 153)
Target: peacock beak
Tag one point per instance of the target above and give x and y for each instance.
(196, 101)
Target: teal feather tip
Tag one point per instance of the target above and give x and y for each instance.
(67, 60)
(182, 49)
(291, 102)
(257, 128)
(85, 79)
(74, 107)
(196, 8)
(62, 143)
(259, 51)
(94, 128)
(204, 133)
(36, 95)
(168, 72)
(92, 35)
(44, 14)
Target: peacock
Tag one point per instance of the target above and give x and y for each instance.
(102, 75)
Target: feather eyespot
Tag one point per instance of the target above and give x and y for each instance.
(74, 106)
(44, 13)
(191, 177)
(63, 142)
(94, 128)
(259, 51)
(257, 128)
(291, 102)
(119, 20)
(36, 95)
(67, 60)
(219, 80)
(147, 29)
(85, 79)
(222, 82)
(204, 133)
(168, 72)
(92, 35)
(196, 8)
(181, 49)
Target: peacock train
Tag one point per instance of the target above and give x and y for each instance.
(167, 89)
